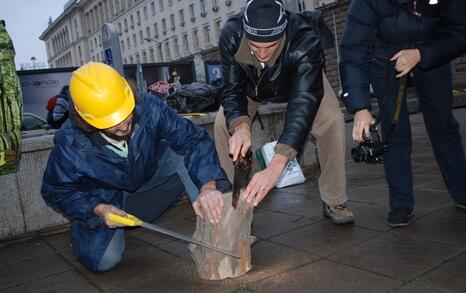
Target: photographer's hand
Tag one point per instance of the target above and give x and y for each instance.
(362, 122)
(406, 60)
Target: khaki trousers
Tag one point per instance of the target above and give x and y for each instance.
(328, 129)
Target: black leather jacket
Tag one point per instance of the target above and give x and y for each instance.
(296, 77)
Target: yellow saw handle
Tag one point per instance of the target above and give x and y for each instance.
(129, 220)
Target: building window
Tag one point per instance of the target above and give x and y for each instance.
(144, 11)
(122, 45)
(131, 21)
(144, 57)
(176, 47)
(167, 51)
(126, 25)
(301, 5)
(131, 59)
(138, 60)
(117, 7)
(119, 28)
(128, 43)
(148, 32)
(218, 28)
(125, 61)
(195, 39)
(207, 34)
(164, 27)
(135, 41)
(159, 52)
(215, 6)
(181, 14)
(191, 13)
(141, 37)
(172, 22)
(185, 44)
(203, 9)
(161, 5)
(170, 3)
(138, 17)
(152, 55)
(156, 30)
(152, 7)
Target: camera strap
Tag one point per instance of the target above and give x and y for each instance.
(388, 139)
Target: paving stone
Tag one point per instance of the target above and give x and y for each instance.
(69, 282)
(410, 288)
(326, 276)
(311, 208)
(365, 174)
(18, 252)
(182, 275)
(60, 242)
(397, 256)
(374, 216)
(445, 225)
(33, 269)
(448, 277)
(136, 266)
(432, 200)
(436, 186)
(272, 224)
(304, 189)
(277, 201)
(323, 238)
(176, 248)
(368, 194)
(421, 180)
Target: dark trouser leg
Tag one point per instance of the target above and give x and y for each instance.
(397, 163)
(434, 88)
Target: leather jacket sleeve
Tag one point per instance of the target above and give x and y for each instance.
(306, 89)
(356, 52)
(450, 40)
(234, 100)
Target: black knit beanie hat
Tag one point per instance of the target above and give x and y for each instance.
(264, 20)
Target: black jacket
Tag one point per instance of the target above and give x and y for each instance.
(296, 77)
(378, 29)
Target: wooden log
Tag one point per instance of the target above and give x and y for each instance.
(232, 234)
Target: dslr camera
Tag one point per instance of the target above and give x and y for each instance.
(371, 150)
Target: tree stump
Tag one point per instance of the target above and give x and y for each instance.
(231, 234)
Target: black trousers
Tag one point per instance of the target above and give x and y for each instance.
(434, 89)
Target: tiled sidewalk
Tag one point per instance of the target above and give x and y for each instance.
(298, 251)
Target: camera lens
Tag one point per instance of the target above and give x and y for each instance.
(359, 154)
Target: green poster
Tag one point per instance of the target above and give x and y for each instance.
(10, 106)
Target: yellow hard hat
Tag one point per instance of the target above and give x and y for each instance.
(101, 96)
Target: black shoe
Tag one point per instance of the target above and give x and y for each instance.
(399, 218)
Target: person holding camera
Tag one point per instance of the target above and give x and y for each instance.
(385, 40)
(272, 55)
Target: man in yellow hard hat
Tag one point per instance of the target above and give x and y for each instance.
(125, 152)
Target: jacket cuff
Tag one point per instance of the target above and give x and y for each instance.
(285, 150)
(235, 121)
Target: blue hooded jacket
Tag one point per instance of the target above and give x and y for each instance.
(83, 172)
(378, 29)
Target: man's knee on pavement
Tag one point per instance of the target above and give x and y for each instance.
(109, 261)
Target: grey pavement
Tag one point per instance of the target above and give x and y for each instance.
(298, 250)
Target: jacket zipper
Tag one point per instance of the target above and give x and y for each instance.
(256, 85)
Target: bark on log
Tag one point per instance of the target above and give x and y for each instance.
(232, 234)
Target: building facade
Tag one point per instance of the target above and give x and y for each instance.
(150, 30)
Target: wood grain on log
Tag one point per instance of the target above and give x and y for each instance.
(232, 234)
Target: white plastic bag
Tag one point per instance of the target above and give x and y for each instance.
(292, 174)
